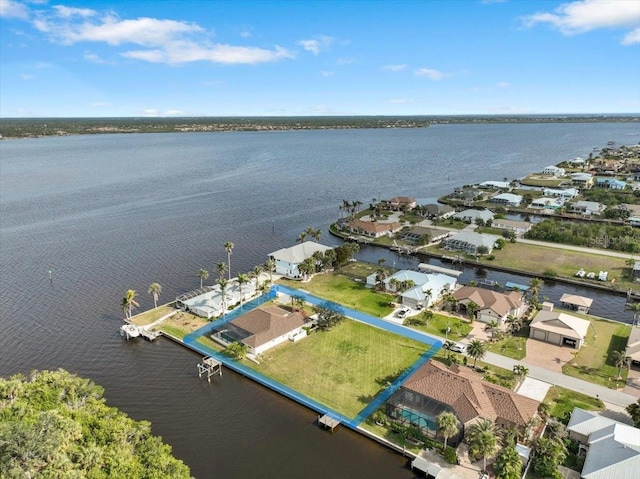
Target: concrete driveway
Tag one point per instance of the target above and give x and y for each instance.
(547, 356)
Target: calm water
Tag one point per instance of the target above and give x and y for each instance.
(113, 212)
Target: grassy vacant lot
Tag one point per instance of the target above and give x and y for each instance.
(513, 347)
(562, 401)
(593, 362)
(344, 368)
(359, 269)
(438, 325)
(181, 324)
(345, 291)
(541, 180)
(152, 315)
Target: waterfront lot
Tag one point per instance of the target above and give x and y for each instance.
(594, 362)
(347, 292)
(344, 368)
(438, 323)
(152, 315)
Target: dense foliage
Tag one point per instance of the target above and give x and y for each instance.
(597, 235)
(54, 424)
(329, 315)
(612, 197)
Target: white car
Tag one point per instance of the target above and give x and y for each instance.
(403, 312)
(457, 347)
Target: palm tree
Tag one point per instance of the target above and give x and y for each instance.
(635, 307)
(450, 300)
(472, 308)
(203, 274)
(129, 301)
(482, 438)
(619, 360)
(270, 265)
(633, 410)
(242, 279)
(221, 268)
(476, 349)
(154, 290)
(302, 237)
(508, 464)
(534, 289)
(493, 324)
(257, 271)
(223, 288)
(316, 235)
(514, 322)
(229, 247)
(520, 370)
(448, 425)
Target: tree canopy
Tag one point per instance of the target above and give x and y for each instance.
(56, 424)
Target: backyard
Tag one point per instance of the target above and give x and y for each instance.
(148, 317)
(344, 368)
(347, 292)
(594, 362)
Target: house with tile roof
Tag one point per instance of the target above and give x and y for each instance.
(559, 328)
(262, 328)
(399, 203)
(492, 305)
(469, 242)
(582, 304)
(288, 259)
(373, 229)
(472, 215)
(435, 388)
(427, 287)
(612, 448)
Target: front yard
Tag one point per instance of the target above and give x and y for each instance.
(514, 347)
(594, 362)
(344, 368)
(438, 323)
(562, 401)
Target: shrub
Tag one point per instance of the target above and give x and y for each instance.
(450, 455)
(491, 257)
(550, 273)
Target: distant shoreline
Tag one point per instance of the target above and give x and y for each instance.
(13, 128)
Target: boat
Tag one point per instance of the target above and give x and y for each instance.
(128, 331)
(580, 273)
(603, 275)
(591, 275)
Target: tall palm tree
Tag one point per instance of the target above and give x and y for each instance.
(223, 288)
(482, 438)
(302, 237)
(221, 268)
(154, 290)
(620, 361)
(534, 290)
(448, 425)
(476, 349)
(203, 274)
(229, 247)
(514, 322)
(242, 279)
(257, 271)
(633, 410)
(129, 301)
(270, 265)
(493, 324)
(472, 309)
(316, 235)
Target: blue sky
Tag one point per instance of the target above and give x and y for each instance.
(233, 58)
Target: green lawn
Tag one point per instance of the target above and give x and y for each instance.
(593, 361)
(513, 347)
(344, 368)
(152, 315)
(347, 292)
(538, 180)
(562, 401)
(360, 269)
(438, 325)
(174, 331)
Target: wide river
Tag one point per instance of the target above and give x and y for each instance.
(108, 213)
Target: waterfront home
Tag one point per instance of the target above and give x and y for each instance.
(559, 328)
(468, 195)
(553, 171)
(517, 227)
(208, 301)
(288, 259)
(581, 304)
(612, 448)
(633, 346)
(566, 193)
(634, 220)
(373, 229)
(577, 161)
(422, 235)
(583, 180)
(263, 328)
(587, 207)
(610, 183)
(471, 216)
(507, 199)
(490, 305)
(546, 203)
(426, 289)
(398, 203)
(495, 185)
(435, 388)
(469, 242)
(433, 211)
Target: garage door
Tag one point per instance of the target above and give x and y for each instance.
(541, 335)
(554, 338)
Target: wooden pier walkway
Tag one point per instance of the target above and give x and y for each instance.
(328, 422)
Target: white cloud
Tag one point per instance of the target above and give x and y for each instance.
(93, 58)
(27, 76)
(632, 37)
(13, 9)
(395, 68)
(317, 44)
(325, 73)
(434, 75)
(43, 65)
(345, 61)
(586, 15)
(503, 84)
(160, 41)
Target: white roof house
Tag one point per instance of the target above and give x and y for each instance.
(587, 207)
(561, 192)
(547, 203)
(559, 328)
(498, 185)
(553, 170)
(288, 259)
(508, 199)
(473, 215)
(469, 242)
(435, 284)
(614, 448)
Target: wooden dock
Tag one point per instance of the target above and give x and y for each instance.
(328, 422)
(149, 335)
(209, 366)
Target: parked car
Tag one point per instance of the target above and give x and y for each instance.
(403, 312)
(457, 347)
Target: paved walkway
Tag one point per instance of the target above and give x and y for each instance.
(577, 248)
